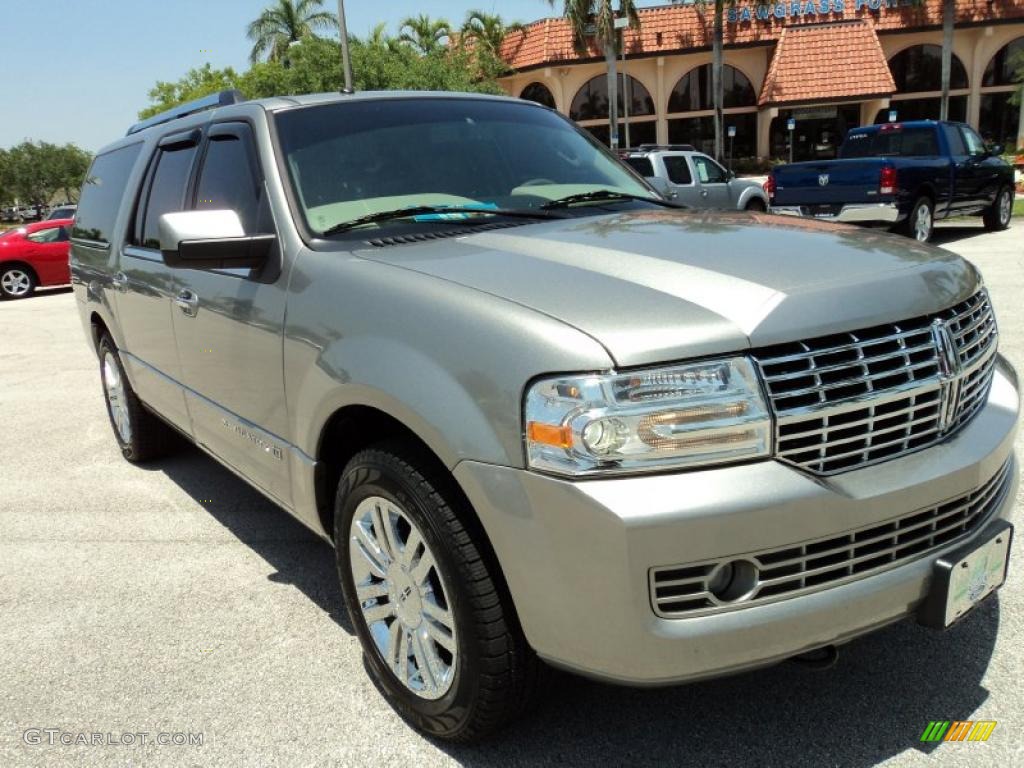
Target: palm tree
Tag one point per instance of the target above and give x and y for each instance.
(488, 30)
(948, 22)
(423, 33)
(379, 38)
(284, 23)
(596, 18)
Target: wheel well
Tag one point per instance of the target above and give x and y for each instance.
(99, 328)
(23, 265)
(347, 432)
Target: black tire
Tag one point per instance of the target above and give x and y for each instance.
(148, 437)
(497, 673)
(997, 216)
(17, 282)
(910, 226)
(756, 205)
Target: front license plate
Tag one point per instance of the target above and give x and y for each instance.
(965, 577)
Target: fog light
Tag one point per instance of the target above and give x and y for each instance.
(732, 581)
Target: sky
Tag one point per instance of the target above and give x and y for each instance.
(79, 70)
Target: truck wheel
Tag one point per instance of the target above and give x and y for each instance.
(438, 631)
(921, 222)
(997, 217)
(140, 434)
(17, 282)
(756, 205)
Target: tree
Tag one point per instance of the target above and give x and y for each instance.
(424, 34)
(596, 18)
(488, 31)
(286, 22)
(35, 172)
(196, 83)
(948, 22)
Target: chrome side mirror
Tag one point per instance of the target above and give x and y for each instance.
(211, 240)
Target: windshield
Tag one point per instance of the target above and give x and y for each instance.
(349, 160)
(905, 142)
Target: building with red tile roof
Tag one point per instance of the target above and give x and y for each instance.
(828, 64)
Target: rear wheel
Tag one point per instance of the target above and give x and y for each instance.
(757, 205)
(17, 282)
(438, 631)
(997, 217)
(140, 435)
(921, 222)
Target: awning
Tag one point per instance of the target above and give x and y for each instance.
(827, 62)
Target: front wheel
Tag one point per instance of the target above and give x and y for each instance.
(997, 216)
(921, 222)
(438, 631)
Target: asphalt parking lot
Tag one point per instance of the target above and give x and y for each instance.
(173, 598)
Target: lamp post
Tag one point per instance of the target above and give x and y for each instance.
(346, 61)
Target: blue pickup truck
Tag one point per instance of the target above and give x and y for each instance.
(901, 175)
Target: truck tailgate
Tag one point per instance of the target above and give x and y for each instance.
(827, 182)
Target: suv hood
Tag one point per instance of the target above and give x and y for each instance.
(655, 286)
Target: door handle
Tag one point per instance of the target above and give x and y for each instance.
(703, 193)
(120, 282)
(187, 302)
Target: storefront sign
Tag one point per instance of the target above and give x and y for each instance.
(816, 113)
(809, 10)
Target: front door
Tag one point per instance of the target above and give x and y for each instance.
(228, 327)
(713, 183)
(48, 254)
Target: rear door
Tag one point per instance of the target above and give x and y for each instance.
(146, 286)
(680, 176)
(228, 326)
(963, 181)
(712, 182)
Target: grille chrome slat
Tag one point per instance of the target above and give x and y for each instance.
(854, 399)
(840, 558)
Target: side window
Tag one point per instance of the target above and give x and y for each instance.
(708, 171)
(228, 180)
(167, 191)
(50, 235)
(975, 146)
(102, 193)
(957, 148)
(678, 170)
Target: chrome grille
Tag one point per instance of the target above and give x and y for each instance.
(852, 399)
(678, 591)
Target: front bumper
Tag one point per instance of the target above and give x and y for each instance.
(854, 213)
(577, 555)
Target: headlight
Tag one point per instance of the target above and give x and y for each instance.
(662, 418)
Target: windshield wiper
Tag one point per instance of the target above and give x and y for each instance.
(607, 195)
(425, 210)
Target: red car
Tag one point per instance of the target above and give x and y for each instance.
(33, 256)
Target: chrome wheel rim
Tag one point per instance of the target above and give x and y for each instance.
(16, 282)
(113, 388)
(922, 223)
(402, 597)
(1005, 206)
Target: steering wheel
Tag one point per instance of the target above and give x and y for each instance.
(537, 182)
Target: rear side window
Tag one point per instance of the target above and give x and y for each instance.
(678, 170)
(102, 193)
(227, 181)
(167, 192)
(641, 165)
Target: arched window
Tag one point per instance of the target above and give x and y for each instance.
(691, 111)
(539, 93)
(693, 91)
(590, 109)
(999, 121)
(917, 72)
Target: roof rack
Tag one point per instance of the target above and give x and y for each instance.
(665, 148)
(214, 100)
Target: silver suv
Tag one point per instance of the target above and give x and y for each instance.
(681, 173)
(543, 415)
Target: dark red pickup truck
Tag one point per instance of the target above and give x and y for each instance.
(901, 175)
